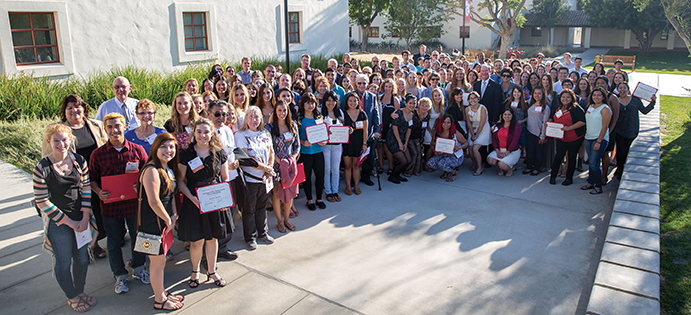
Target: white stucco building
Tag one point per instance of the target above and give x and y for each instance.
(61, 38)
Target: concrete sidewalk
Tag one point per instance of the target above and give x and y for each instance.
(588, 56)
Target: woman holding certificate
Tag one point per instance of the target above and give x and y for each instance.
(62, 191)
(356, 119)
(478, 130)
(571, 115)
(203, 163)
(449, 160)
(284, 132)
(628, 123)
(157, 212)
(333, 117)
(311, 151)
(505, 141)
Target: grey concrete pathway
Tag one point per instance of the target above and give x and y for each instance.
(479, 245)
(588, 55)
(669, 84)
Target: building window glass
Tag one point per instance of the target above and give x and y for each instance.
(195, 31)
(536, 32)
(294, 27)
(465, 32)
(33, 38)
(434, 31)
(373, 32)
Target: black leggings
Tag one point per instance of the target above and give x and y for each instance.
(562, 147)
(313, 162)
(623, 146)
(403, 159)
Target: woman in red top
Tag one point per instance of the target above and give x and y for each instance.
(505, 136)
(572, 116)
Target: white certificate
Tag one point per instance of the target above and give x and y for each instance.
(554, 130)
(445, 145)
(339, 134)
(465, 98)
(215, 197)
(644, 91)
(83, 237)
(317, 133)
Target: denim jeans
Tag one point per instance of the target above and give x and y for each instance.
(594, 170)
(332, 161)
(116, 230)
(65, 253)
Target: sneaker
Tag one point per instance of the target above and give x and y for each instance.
(252, 245)
(268, 239)
(142, 276)
(121, 286)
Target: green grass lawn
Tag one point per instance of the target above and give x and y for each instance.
(675, 209)
(671, 62)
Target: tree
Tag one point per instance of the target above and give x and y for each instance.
(415, 19)
(363, 12)
(503, 17)
(623, 14)
(549, 12)
(678, 13)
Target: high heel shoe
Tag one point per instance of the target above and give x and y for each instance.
(193, 283)
(220, 282)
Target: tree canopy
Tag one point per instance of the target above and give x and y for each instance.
(416, 19)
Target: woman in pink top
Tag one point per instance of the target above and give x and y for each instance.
(505, 140)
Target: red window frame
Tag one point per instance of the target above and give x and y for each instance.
(33, 38)
(194, 26)
(371, 33)
(297, 27)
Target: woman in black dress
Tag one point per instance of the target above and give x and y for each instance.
(390, 104)
(397, 142)
(356, 119)
(203, 163)
(157, 210)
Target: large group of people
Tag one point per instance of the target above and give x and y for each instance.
(250, 129)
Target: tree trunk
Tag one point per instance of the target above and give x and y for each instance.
(679, 29)
(365, 32)
(506, 38)
(644, 43)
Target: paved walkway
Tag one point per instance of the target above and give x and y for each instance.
(588, 55)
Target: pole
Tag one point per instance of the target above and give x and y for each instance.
(285, 17)
(463, 45)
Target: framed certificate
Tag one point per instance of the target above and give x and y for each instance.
(215, 197)
(644, 91)
(553, 130)
(317, 133)
(120, 187)
(444, 145)
(339, 134)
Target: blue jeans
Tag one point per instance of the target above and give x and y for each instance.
(65, 253)
(115, 228)
(332, 160)
(594, 171)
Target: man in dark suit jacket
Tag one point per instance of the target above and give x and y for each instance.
(492, 97)
(374, 124)
(421, 56)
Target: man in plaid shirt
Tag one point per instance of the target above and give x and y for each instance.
(116, 157)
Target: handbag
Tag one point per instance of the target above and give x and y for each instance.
(146, 243)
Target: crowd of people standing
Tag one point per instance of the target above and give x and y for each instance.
(250, 129)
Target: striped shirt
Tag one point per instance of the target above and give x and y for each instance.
(41, 188)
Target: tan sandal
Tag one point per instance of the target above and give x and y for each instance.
(90, 300)
(79, 306)
(281, 227)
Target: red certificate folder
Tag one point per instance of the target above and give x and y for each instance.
(120, 187)
(299, 178)
(166, 240)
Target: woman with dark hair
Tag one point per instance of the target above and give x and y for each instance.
(505, 141)
(574, 76)
(157, 212)
(582, 91)
(618, 78)
(597, 120)
(592, 76)
(287, 96)
(472, 77)
(203, 163)
(517, 76)
(478, 130)
(356, 119)
(554, 73)
(253, 92)
(397, 142)
(389, 103)
(550, 94)
(311, 154)
(208, 85)
(456, 110)
(266, 101)
(506, 84)
(525, 84)
(182, 116)
(538, 114)
(221, 88)
(540, 70)
(420, 117)
(517, 103)
(446, 128)
(572, 116)
(612, 101)
(284, 134)
(333, 116)
(533, 82)
(628, 123)
(599, 69)
(88, 136)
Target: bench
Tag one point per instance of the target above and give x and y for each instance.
(629, 61)
(473, 53)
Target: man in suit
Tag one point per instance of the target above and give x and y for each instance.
(417, 58)
(492, 97)
(369, 105)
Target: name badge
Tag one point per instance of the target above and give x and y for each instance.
(471, 113)
(410, 123)
(502, 150)
(424, 125)
(359, 124)
(590, 110)
(150, 139)
(171, 175)
(514, 104)
(132, 167)
(538, 109)
(309, 77)
(288, 136)
(318, 121)
(196, 164)
(558, 113)
(188, 129)
(495, 129)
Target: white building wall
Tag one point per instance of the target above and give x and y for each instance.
(103, 34)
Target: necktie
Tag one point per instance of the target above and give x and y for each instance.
(362, 101)
(124, 113)
(482, 91)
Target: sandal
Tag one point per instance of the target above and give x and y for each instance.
(90, 300)
(193, 283)
(169, 256)
(290, 226)
(337, 197)
(330, 198)
(281, 227)
(534, 173)
(175, 298)
(98, 252)
(187, 245)
(444, 175)
(389, 172)
(587, 186)
(452, 177)
(380, 170)
(220, 282)
(176, 305)
(509, 173)
(596, 191)
(293, 213)
(526, 171)
(501, 172)
(348, 191)
(357, 191)
(78, 306)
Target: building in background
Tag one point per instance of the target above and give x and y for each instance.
(62, 38)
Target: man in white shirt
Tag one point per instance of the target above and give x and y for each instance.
(577, 63)
(121, 104)
(563, 74)
(407, 62)
(246, 73)
(567, 61)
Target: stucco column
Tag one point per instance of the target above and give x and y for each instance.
(551, 36)
(627, 39)
(670, 39)
(586, 37)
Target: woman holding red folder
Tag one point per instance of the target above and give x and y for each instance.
(157, 210)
